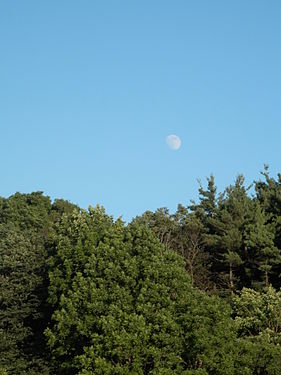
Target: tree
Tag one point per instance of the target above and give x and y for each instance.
(27, 230)
(24, 228)
(123, 305)
(162, 225)
(268, 194)
(259, 239)
(188, 241)
(210, 335)
(114, 292)
(258, 322)
(224, 236)
(208, 200)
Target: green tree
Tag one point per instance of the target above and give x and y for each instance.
(227, 239)
(123, 305)
(259, 239)
(268, 194)
(258, 322)
(207, 200)
(24, 228)
(188, 241)
(210, 336)
(27, 231)
(162, 225)
(114, 302)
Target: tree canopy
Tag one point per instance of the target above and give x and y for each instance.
(196, 292)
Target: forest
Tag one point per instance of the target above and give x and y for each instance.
(195, 292)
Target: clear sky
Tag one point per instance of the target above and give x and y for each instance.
(89, 90)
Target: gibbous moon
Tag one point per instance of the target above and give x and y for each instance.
(173, 141)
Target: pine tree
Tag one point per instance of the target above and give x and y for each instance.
(224, 239)
(259, 239)
(268, 194)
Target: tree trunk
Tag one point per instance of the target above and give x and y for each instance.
(266, 278)
(231, 283)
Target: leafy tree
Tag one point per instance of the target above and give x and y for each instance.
(258, 322)
(211, 337)
(114, 302)
(162, 225)
(181, 232)
(27, 229)
(24, 227)
(189, 243)
(125, 306)
(116, 299)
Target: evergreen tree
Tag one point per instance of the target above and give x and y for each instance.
(207, 201)
(259, 239)
(269, 196)
(225, 239)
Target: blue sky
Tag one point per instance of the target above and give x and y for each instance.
(89, 90)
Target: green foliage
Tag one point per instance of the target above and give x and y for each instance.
(116, 299)
(25, 230)
(124, 305)
(183, 233)
(211, 336)
(259, 239)
(208, 200)
(258, 313)
(258, 322)
(268, 194)
(162, 225)
(188, 241)
(114, 290)
(224, 219)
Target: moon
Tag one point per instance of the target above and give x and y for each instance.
(173, 141)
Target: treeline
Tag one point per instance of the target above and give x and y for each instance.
(194, 292)
(229, 240)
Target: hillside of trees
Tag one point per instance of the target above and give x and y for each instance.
(196, 292)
